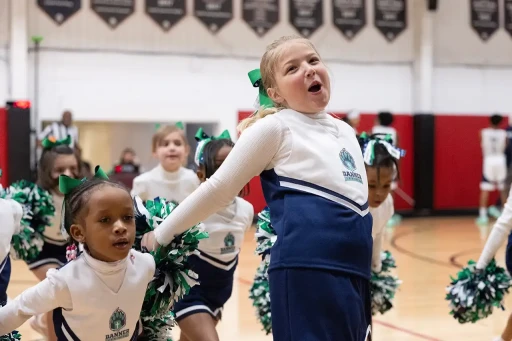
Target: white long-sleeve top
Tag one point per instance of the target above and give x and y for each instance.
(263, 145)
(499, 234)
(381, 216)
(10, 223)
(172, 186)
(53, 292)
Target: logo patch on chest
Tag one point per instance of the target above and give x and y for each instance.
(348, 161)
(116, 323)
(229, 244)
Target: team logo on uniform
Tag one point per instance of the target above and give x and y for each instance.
(116, 323)
(350, 164)
(229, 244)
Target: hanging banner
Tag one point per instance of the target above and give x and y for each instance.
(113, 12)
(508, 16)
(261, 15)
(485, 17)
(166, 13)
(390, 17)
(60, 11)
(214, 14)
(306, 16)
(349, 16)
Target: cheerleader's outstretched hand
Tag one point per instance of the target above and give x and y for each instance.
(149, 241)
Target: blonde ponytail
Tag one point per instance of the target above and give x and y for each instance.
(249, 121)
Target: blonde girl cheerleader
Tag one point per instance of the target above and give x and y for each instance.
(381, 159)
(314, 181)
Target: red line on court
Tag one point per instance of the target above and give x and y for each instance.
(406, 331)
(385, 324)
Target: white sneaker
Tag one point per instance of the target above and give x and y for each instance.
(37, 323)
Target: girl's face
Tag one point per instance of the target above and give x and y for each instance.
(379, 187)
(108, 227)
(222, 154)
(172, 151)
(65, 164)
(302, 80)
(128, 157)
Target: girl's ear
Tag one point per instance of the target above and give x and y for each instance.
(77, 233)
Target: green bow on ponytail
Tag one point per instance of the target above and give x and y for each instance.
(51, 141)
(67, 184)
(202, 138)
(264, 100)
(180, 125)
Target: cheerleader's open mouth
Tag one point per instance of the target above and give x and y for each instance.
(315, 87)
(122, 244)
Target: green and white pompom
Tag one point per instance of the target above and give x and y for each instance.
(260, 296)
(38, 209)
(265, 234)
(13, 336)
(383, 285)
(474, 294)
(259, 292)
(157, 329)
(173, 279)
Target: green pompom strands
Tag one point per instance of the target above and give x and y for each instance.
(383, 285)
(173, 279)
(474, 294)
(38, 208)
(259, 292)
(11, 336)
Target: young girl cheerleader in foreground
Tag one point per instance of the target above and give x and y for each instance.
(198, 313)
(314, 181)
(98, 295)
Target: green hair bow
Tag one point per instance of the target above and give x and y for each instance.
(202, 138)
(263, 99)
(67, 184)
(368, 147)
(51, 141)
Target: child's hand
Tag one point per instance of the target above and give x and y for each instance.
(149, 241)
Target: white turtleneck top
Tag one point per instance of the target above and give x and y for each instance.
(172, 186)
(86, 292)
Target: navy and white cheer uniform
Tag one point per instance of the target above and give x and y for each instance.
(10, 223)
(54, 247)
(90, 299)
(494, 170)
(314, 181)
(217, 261)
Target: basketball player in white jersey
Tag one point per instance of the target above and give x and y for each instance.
(493, 141)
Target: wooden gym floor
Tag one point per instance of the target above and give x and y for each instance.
(427, 252)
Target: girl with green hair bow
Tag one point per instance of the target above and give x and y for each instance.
(99, 293)
(199, 312)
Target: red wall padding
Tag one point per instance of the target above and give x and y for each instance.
(402, 123)
(458, 161)
(3, 147)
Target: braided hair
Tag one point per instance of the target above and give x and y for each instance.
(75, 203)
